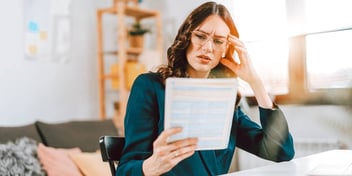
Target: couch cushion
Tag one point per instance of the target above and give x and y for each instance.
(90, 163)
(56, 161)
(12, 133)
(82, 134)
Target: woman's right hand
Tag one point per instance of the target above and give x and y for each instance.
(167, 155)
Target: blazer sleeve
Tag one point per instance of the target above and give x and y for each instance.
(140, 126)
(272, 140)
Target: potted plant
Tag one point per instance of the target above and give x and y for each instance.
(136, 35)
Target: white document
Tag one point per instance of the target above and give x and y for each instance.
(203, 108)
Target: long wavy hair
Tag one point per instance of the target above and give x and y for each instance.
(176, 53)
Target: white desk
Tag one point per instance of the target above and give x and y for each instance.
(332, 163)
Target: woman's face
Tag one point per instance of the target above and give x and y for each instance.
(208, 44)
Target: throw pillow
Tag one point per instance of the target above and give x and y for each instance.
(91, 164)
(56, 162)
(82, 134)
(20, 158)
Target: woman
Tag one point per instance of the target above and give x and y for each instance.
(203, 48)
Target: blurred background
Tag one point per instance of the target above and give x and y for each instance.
(49, 62)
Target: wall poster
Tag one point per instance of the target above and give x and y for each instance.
(47, 30)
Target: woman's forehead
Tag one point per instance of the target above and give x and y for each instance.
(214, 25)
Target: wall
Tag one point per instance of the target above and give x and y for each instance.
(54, 91)
(47, 90)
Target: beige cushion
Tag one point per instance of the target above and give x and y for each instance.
(56, 162)
(91, 164)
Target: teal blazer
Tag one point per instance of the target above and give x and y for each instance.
(144, 121)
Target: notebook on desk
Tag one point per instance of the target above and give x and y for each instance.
(336, 169)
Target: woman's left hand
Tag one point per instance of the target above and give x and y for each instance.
(244, 69)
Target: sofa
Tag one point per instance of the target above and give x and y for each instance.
(66, 148)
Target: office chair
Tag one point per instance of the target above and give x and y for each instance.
(111, 150)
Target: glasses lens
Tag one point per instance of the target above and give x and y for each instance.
(200, 38)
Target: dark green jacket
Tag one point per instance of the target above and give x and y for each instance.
(144, 121)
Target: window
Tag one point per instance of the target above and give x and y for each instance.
(329, 60)
(328, 43)
(327, 15)
(300, 48)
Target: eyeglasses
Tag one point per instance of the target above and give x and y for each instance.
(200, 38)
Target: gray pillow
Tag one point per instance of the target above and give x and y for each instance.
(12, 133)
(82, 134)
(20, 158)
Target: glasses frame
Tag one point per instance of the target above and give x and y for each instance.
(208, 37)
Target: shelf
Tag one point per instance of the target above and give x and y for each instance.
(110, 76)
(131, 51)
(122, 74)
(131, 11)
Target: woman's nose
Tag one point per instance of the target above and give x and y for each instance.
(208, 45)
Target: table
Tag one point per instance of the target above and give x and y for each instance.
(332, 162)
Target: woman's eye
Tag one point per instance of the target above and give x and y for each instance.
(202, 37)
(219, 41)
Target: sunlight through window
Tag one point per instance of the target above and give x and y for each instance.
(329, 60)
(263, 27)
(329, 57)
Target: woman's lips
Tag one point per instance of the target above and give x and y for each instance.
(204, 59)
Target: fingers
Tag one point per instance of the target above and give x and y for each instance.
(187, 147)
(167, 155)
(236, 42)
(179, 147)
(239, 47)
(162, 147)
(162, 139)
(183, 143)
(182, 149)
(181, 154)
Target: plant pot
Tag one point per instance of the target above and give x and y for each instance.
(136, 41)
